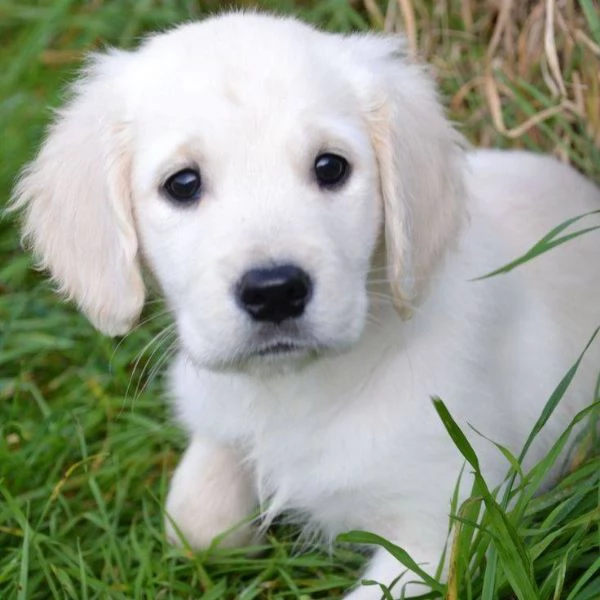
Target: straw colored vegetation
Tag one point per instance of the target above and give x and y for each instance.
(86, 448)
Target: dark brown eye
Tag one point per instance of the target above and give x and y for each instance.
(331, 170)
(184, 186)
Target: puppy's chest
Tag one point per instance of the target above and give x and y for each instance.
(322, 471)
(337, 454)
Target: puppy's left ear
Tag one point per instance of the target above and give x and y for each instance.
(420, 161)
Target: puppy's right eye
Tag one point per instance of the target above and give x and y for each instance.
(184, 186)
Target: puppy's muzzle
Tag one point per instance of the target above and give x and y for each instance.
(274, 294)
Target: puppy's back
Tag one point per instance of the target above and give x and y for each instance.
(523, 196)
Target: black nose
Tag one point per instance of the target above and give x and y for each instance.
(274, 294)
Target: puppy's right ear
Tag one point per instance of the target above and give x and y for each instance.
(77, 201)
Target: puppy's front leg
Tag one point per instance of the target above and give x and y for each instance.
(385, 569)
(210, 493)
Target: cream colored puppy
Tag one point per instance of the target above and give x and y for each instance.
(315, 226)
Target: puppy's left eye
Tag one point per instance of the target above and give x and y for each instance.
(184, 186)
(331, 170)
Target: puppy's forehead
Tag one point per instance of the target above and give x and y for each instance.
(248, 61)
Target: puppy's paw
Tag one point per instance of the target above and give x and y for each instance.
(385, 569)
(210, 496)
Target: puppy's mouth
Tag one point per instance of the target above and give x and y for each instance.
(287, 340)
(280, 348)
(269, 347)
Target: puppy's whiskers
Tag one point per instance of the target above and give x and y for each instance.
(381, 299)
(373, 319)
(380, 295)
(158, 315)
(166, 357)
(161, 337)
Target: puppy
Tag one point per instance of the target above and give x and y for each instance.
(316, 228)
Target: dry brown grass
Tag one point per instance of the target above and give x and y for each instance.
(519, 73)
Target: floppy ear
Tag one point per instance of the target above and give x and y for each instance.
(420, 161)
(76, 198)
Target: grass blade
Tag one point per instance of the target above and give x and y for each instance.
(403, 557)
(547, 243)
(510, 548)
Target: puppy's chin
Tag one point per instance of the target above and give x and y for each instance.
(279, 362)
(279, 359)
(279, 355)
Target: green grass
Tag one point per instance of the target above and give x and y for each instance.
(86, 445)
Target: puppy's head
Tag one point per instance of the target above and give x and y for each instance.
(252, 163)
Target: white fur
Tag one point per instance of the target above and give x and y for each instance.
(342, 434)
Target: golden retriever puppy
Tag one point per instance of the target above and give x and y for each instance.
(316, 225)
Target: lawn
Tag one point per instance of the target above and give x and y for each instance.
(86, 444)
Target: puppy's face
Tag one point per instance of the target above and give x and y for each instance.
(256, 199)
(251, 162)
